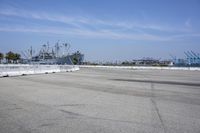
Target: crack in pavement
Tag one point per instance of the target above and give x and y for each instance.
(156, 108)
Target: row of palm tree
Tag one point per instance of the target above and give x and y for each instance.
(10, 57)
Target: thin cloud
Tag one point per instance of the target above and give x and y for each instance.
(180, 36)
(106, 34)
(40, 16)
(188, 22)
(103, 28)
(34, 30)
(78, 21)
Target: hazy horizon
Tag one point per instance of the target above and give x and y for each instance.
(103, 30)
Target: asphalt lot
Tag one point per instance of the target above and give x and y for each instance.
(100, 100)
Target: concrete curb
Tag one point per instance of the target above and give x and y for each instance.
(142, 67)
(17, 70)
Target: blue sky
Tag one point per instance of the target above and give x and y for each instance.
(104, 30)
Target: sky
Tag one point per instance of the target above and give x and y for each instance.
(103, 30)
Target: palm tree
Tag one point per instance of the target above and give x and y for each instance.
(1, 57)
(10, 57)
(16, 57)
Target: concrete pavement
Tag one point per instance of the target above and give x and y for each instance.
(101, 100)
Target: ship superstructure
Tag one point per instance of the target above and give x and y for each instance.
(58, 54)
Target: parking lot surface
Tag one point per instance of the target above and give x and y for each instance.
(101, 100)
